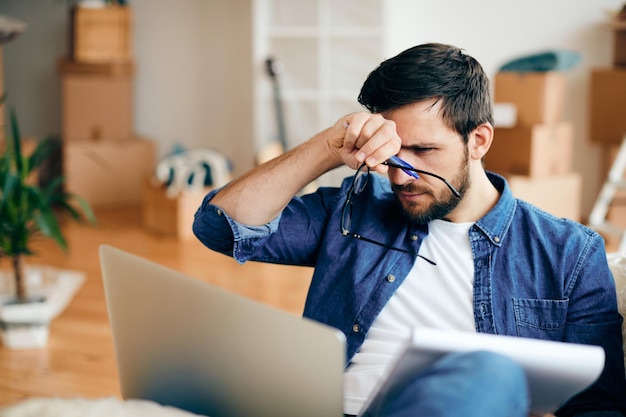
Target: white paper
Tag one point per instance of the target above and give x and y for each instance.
(556, 371)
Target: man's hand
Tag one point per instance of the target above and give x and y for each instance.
(364, 137)
(259, 195)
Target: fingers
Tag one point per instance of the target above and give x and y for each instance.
(369, 138)
(354, 135)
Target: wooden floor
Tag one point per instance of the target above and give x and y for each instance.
(79, 359)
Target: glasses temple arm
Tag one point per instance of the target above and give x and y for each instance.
(409, 168)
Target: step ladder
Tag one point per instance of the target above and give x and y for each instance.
(614, 182)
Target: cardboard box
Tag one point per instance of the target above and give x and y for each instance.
(616, 214)
(538, 96)
(108, 174)
(97, 101)
(170, 215)
(616, 218)
(619, 47)
(607, 103)
(102, 34)
(537, 151)
(608, 152)
(560, 195)
(618, 26)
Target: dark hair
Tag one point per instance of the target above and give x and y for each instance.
(432, 71)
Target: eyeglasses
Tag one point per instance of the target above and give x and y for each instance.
(358, 185)
(396, 162)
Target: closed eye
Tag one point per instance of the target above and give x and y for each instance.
(419, 149)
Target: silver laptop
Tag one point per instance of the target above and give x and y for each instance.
(182, 342)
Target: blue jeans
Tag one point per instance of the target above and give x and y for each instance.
(476, 384)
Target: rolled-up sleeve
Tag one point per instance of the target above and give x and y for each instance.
(220, 232)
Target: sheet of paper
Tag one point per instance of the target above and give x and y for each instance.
(556, 371)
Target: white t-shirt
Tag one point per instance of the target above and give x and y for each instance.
(437, 296)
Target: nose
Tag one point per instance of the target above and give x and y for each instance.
(399, 177)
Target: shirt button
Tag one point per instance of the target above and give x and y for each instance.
(219, 212)
(356, 328)
(391, 278)
(496, 239)
(414, 237)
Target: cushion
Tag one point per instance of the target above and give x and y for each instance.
(617, 263)
(79, 407)
(554, 60)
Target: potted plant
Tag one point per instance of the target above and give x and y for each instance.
(26, 212)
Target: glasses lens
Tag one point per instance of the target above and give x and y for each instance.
(346, 218)
(360, 179)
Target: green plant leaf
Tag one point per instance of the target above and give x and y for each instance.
(47, 223)
(85, 208)
(68, 208)
(51, 192)
(64, 200)
(41, 153)
(27, 210)
(16, 142)
(10, 184)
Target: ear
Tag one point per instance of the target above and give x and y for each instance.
(480, 141)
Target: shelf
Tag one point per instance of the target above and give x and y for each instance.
(326, 49)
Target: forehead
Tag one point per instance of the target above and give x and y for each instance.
(420, 121)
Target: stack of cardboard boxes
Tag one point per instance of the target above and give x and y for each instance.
(536, 155)
(103, 160)
(608, 117)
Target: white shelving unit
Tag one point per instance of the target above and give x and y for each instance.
(326, 49)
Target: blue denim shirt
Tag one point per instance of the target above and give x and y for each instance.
(534, 275)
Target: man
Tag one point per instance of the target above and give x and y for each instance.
(444, 246)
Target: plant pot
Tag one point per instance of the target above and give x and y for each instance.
(24, 324)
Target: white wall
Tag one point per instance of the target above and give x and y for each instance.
(193, 85)
(31, 78)
(495, 31)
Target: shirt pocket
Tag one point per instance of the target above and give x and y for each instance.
(540, 319)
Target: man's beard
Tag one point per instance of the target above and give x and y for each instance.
(443, 202)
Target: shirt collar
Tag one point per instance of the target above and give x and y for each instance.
(497, 221)
(494, 224)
